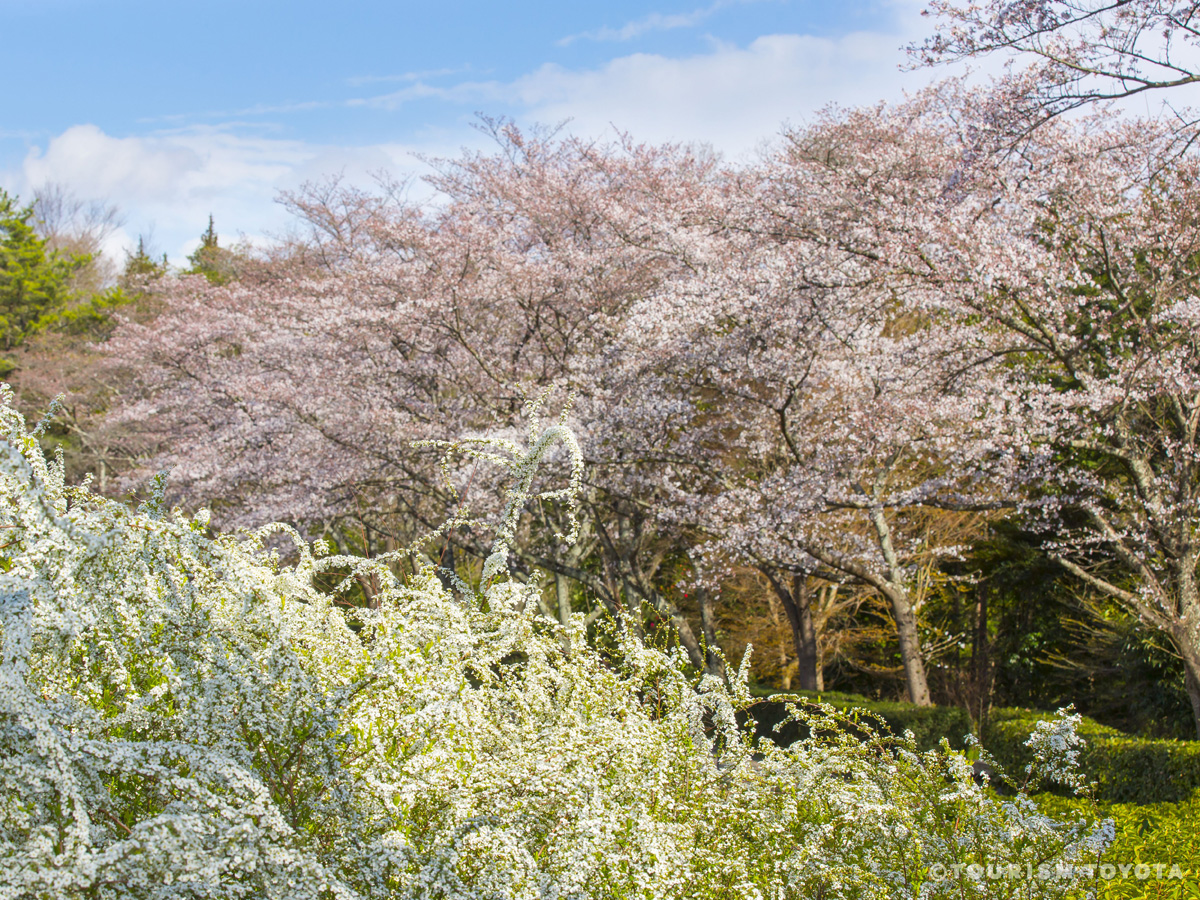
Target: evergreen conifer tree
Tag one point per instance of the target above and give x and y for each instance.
(34, 283)
(214, 262)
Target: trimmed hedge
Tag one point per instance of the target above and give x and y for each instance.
(929, 724)
(1127, 769)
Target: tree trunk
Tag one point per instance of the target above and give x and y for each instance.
(562, 592)
(981, 667)
(828, 594)
(797, 604)
(910, 647)
(1191, 668)
(903, 612)
(1187, 636)
(805, 636)
(714, 662)
(632, 597)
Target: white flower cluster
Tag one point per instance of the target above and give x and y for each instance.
(186, 717)
(1055, 745)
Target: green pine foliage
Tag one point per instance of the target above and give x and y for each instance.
(90, 318)
(33, 281)
(141, 265)
(218, 264)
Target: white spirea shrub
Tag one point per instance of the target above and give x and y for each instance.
(184, 716)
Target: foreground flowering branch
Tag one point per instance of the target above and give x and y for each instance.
(187, 716)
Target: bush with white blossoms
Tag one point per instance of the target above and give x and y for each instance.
(185, 716)
(1056, 744)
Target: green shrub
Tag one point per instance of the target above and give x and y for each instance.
(1166, 834)
(1125, 769)
(928, 724)
(188, 717)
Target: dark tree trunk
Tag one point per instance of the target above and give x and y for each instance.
(805, 635)
(981, 663)
(714, 662)
(1191, 670)
(446, 565)
(797, 603)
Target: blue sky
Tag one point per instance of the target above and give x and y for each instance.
(174, 110)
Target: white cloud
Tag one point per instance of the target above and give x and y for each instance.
(169, 183)
(135, 168)
(653, 22)
(424, 74)
(732, 97)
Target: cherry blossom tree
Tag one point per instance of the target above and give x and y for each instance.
(1081, 51)
(795, 366)
(1117, 383)
(1073, 259)
(830, 449)
(734, 370)
(297, 392)
(841, 407)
